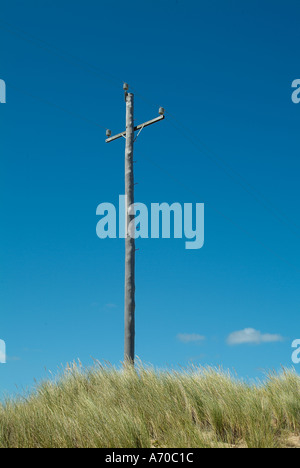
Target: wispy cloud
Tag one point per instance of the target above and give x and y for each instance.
(111, 306)
(190, 338)
(251, 336)
(13, 358)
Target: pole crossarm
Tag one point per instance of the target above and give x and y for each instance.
(138, 127)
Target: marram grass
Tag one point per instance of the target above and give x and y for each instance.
(109, 408)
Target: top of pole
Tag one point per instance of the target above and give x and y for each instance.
(126, 88)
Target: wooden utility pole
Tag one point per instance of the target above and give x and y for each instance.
(129, 315)
(129, 338)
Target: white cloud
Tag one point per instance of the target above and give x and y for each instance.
(190, 338)
(251, 336)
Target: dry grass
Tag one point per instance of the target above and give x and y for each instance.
(105, 407)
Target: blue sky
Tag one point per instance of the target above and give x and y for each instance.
(223, 71)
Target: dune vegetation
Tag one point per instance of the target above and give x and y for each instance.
(109, 408)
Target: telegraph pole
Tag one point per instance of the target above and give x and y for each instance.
(129, 312)
(129, 338)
